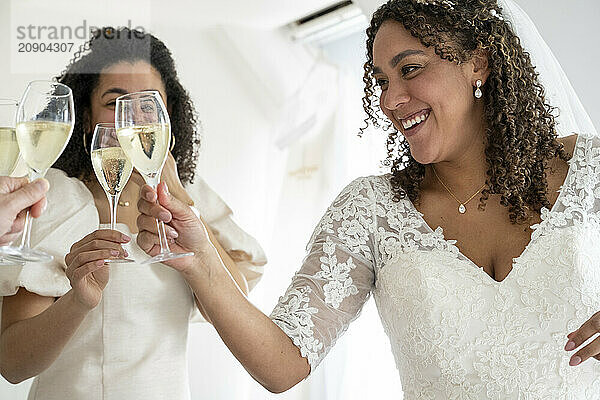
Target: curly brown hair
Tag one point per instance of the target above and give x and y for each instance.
(108, 47)
(521, 138)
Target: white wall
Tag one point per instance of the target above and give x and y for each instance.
(238, 128)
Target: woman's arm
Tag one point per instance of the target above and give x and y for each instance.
(325, 295)
(266, 352)
(35, 329)
(171, 178)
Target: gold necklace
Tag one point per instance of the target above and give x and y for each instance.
(462, 205)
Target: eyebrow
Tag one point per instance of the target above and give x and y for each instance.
(399, 57)
(121, 91)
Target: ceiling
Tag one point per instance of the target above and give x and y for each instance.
(265, 14)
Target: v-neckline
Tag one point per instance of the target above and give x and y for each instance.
(462, 256)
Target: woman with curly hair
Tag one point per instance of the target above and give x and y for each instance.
(87, 330)
(484, 302)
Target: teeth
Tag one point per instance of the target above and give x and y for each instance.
(409, 123)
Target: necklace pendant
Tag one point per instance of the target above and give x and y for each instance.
(462, 209)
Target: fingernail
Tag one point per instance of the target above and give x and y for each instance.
(114, 253)
(100, 262)
(150, 196)
(42, 184)
(125, 238)
(163, 215)
(125, 253)
(45, 205)
(172, 234)
(570, 345)
(575, 361)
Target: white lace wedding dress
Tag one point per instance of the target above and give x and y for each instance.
(455, 332)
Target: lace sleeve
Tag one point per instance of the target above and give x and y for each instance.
(336, 276)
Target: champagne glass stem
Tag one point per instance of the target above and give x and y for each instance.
(26, 236)
(162, 236)
(113, 200)
(153, 181)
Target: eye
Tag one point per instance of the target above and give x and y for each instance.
(407, 69)
(382, 83)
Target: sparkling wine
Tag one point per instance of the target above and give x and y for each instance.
(9, 151)
(112, 167)
(146, 146)
(42, 142)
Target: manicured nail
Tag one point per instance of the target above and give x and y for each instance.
(125, 253)
(172, 233)
(125, 238)
(570, 345)
(575, 361)
(114, 253)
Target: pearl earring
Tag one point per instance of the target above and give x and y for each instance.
(478, 92)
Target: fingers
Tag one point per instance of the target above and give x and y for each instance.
(152, 208)
(147, 223)
(38, 208)
(96, 255)
(100, 239)
(27, 195)
(79, 273)
(147, 241)
(590, 328)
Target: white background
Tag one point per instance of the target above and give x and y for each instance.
(239, 71)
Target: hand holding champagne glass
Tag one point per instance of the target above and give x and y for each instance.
(113, 169)
(9, 148)
(144, 131)
(44, 123)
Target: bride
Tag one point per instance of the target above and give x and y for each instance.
(480, 248)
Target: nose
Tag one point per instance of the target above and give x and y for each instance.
(395, 96)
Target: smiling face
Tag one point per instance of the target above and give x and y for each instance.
(428, 99)
(117, 80)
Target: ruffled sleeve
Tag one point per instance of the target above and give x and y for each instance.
(336, 277)
(241, 247)
(69, 216)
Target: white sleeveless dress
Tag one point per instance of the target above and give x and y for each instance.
(133, 344)
(454, 331)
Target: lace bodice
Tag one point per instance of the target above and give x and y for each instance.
(455, 332)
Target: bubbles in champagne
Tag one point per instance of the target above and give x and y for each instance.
(112, 167)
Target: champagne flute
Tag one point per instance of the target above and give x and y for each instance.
(144, 131)
(113, 169)
(9, 149)
(45, 120)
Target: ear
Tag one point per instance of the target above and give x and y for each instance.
(479, 65)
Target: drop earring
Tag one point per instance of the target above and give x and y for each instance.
(478, 92)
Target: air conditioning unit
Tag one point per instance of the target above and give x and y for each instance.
(331, 23)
